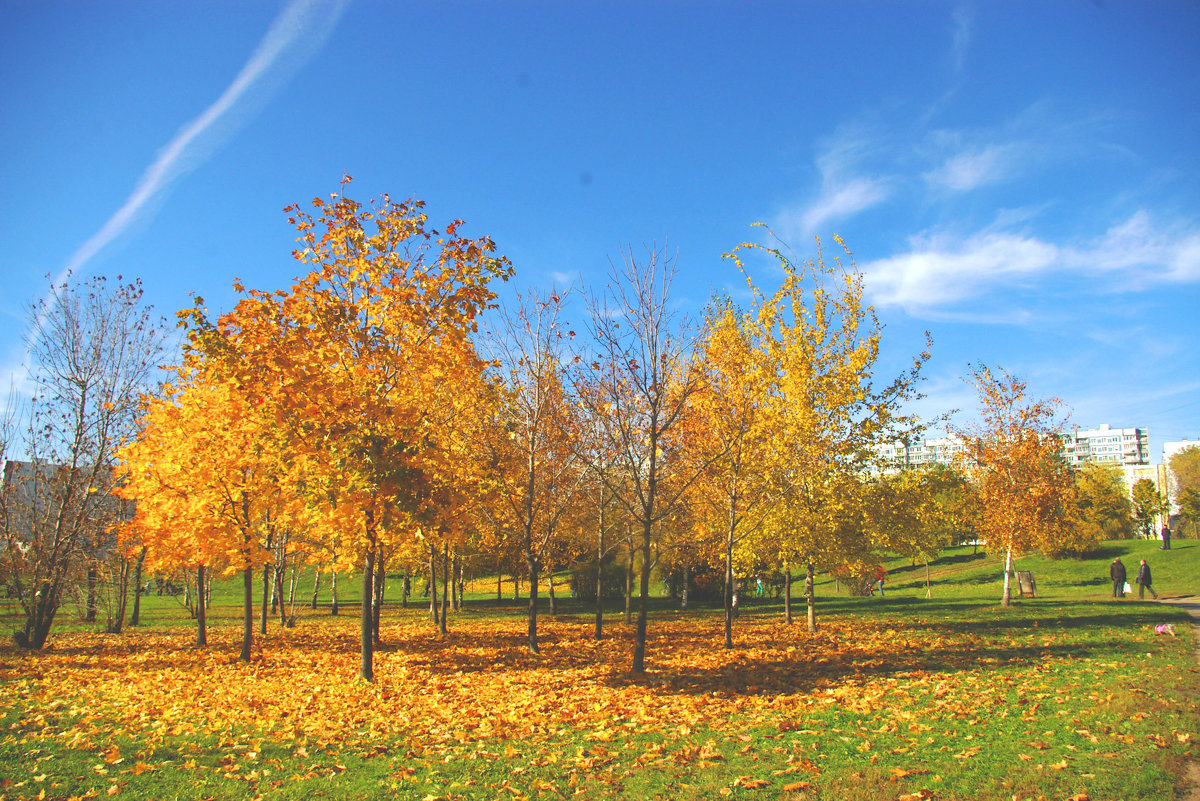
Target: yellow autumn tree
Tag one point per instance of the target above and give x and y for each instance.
(822, 343)
(1024, 488)
(726, 436)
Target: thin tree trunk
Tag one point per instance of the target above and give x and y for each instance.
(266, 599)
(291, 615)
(120, 599)
(333, 599)
(1007, 577)
(550, 590)
(639, 642)
(316, 586)
(629, 587)
(366, 639)
(787, 594)
(201, 616)
(90, 612)
(729, 592)
(136, 618)
(462, 584)
(499, 584)
(247, 612)
(531, 618)
(280, 579)
(687, 580)
(928, 586)
(516, 587)
(810, 594)
(377, 606)
(442, 625)
(433, 592)
(599, 633)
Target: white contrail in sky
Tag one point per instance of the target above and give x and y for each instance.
(296, 34)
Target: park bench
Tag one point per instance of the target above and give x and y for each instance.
(1026, 584)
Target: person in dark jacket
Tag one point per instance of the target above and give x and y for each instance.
(1116, 571)
(1143, 581)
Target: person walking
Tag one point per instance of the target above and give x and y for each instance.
(880, 573)
(1116, 571)
(1166, 538)
(1143, 581)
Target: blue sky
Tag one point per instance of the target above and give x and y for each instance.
(1019, 178)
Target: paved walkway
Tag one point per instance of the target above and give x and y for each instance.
(1192, 604)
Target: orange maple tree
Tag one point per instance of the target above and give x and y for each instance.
(204, 474)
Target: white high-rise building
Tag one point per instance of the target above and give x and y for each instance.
(1106, 445)
(1123, 447)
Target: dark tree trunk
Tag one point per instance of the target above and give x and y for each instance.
(442, 625)
(687, 580)
(600, 579)
(629, 586)
(367, 620)
(266, 599)
(433, 593)
(333, 592)
(810, 595)
(531, 619)
(247, 612)
(377, 606)
(120, 599)
(316, 586)
(639, 643)
(136, 617)
(201, 617)
(787, 595)
(728, 592)
(550, 590)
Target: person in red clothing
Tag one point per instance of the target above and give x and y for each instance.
(879, 574)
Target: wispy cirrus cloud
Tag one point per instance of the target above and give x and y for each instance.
(941, 269)
(960, 41)
(845, 189)
(1144, 253)
(972, 169)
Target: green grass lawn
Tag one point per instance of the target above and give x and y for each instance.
(946, 697)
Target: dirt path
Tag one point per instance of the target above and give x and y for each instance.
(1192, 605)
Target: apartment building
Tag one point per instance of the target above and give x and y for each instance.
(1106, 445)
(1123, 447)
